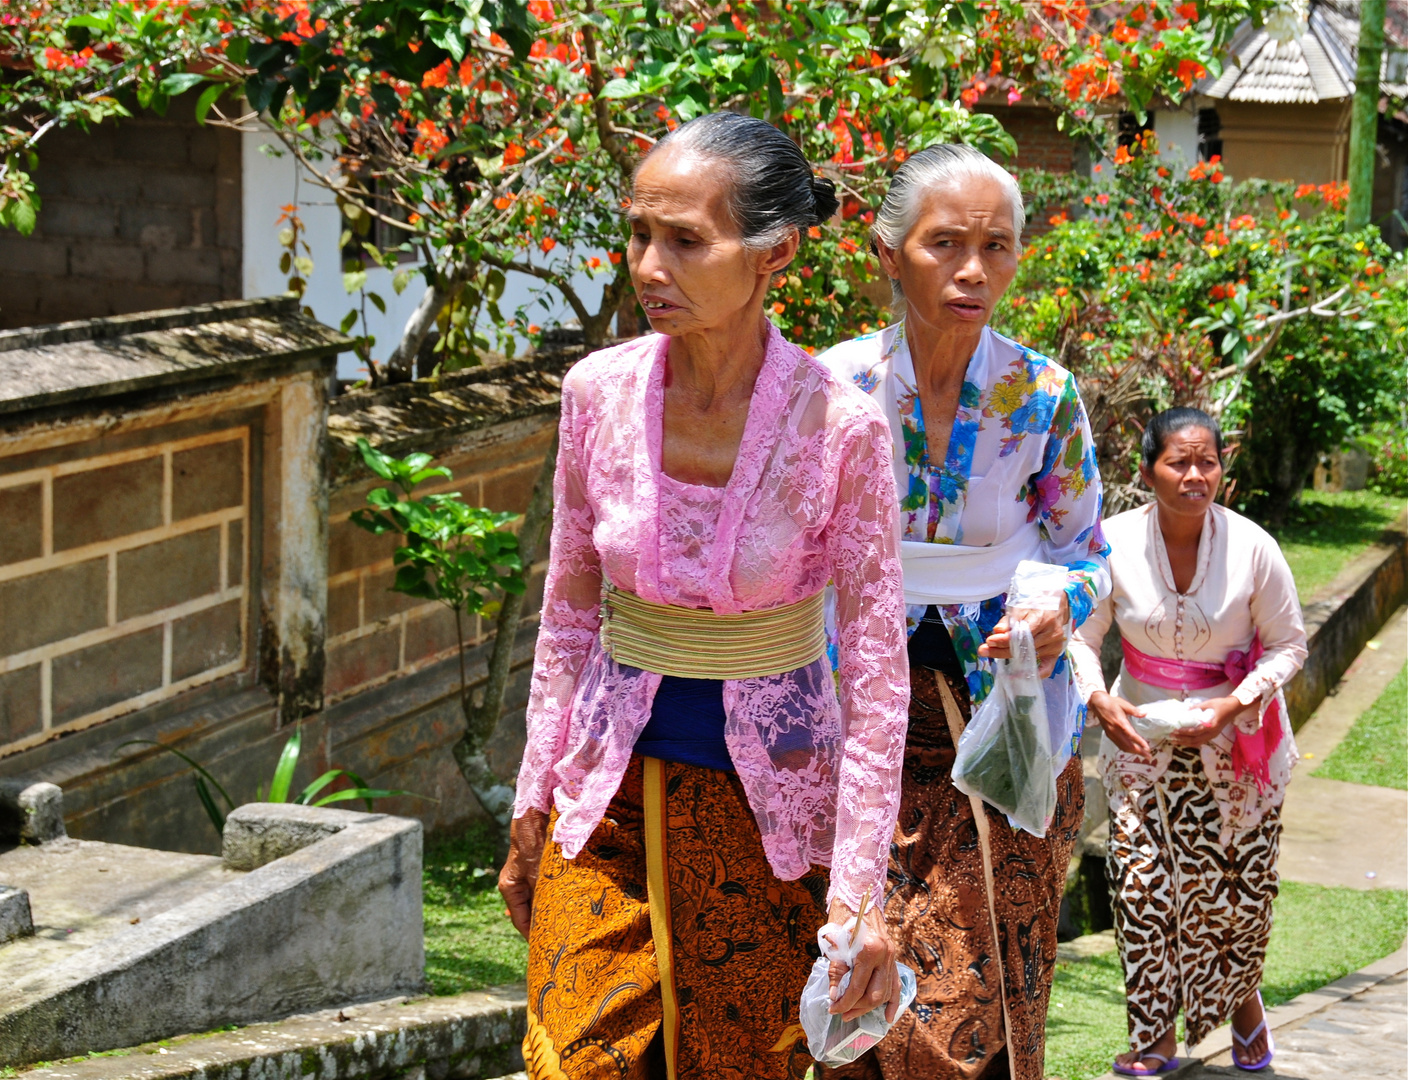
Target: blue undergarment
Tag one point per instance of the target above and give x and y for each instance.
(687, 724)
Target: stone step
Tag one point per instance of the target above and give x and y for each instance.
(462, 1037)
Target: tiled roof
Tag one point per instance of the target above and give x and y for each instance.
(1317, 66)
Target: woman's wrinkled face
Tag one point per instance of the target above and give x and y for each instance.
(688, 264)
(958, 257)
(1186, 476)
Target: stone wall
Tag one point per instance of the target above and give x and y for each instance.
(138, 214)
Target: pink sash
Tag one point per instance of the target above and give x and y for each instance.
(1251, 754)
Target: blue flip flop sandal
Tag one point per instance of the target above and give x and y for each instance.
(1165, 1065)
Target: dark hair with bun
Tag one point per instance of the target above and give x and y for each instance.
(773, 187)
(1170, 422)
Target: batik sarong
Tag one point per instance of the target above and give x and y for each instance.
(1192, 917)
(937, 910)
(667, 947)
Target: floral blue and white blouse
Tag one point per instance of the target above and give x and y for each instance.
(1020, 457)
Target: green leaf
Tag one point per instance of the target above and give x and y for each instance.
(368, 794)
(202, 772)
(375, 460)
(348, 321)
(175, 85)
(377, 302)
(23, 217)
(211, 810)
(207, 100)
(354, 280)
(283, 772)
(620, 88)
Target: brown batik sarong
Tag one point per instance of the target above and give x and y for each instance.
(1193, 918)
(668, 947)
(938, 912)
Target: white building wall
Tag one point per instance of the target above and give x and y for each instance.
(271, 182)
(1178, 135)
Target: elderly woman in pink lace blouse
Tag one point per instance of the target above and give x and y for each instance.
(694, 762)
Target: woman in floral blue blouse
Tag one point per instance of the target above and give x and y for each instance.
(994, 464)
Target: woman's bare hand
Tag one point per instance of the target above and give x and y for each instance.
(1048, 632)
(1112, 714)
(1224, 711)
(875, 979)
(519, 876)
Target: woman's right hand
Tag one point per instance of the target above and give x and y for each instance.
(519, 876)
(875, 980)
(1112, 714)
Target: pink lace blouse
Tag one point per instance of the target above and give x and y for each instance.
(811, 500)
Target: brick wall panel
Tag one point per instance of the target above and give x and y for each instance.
(363, 660)
(53, 605)
(350, 548)
(431, 632)
(343, 603)
(102, 504)
(21, 523)
(207, 478)
(21, 710)
(105, 261)
(379, 601)
(167, 573)
(205, 640)
(105, 674)
(81, 220)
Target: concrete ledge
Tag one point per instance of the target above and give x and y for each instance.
(1345, 615)
(464, 1037)
(338, 921)
(30, 812)
(258, 833)
(15, 918)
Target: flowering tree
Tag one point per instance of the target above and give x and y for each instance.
(1252, 301)
(500, 136)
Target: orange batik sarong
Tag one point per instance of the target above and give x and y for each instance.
(668, 947)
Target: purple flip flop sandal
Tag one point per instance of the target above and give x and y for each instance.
(1165, 1065)
(1255, 1066)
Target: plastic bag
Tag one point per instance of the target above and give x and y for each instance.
(831, 1040)
(1005, 755)
(1036, 585)
(1162, 718)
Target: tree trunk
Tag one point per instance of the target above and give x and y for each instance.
(401, 365)
(494, 794)
(1364, 126)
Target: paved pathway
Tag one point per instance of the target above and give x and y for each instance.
(1334, 833)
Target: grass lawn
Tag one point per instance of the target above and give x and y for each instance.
(1376, 749)
(1328, 528)
(1320, 934)
(469, 943)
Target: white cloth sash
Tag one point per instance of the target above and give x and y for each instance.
(960, 574)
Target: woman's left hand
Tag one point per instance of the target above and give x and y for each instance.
(875, 979)
(1048, 632)
(1224, 711)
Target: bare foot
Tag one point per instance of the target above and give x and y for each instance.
(1164, 1048)
(1245, 1018)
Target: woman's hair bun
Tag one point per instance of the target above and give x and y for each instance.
(824, 196)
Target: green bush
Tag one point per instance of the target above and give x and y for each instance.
(1249, 300)
(1388, 458)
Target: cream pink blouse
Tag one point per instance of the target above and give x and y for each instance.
(1241, 588)
(811, 500)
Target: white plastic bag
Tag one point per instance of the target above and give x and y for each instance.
(831, 1040)
(1005, 755)
(1162, 718)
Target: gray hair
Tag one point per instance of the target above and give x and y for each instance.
(933, 167)
(773, 189)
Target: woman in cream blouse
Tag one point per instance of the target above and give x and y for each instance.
(1207, 609)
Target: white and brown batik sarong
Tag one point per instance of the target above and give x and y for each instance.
(1192, 915)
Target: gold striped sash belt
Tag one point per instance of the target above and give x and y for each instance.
(696, 643)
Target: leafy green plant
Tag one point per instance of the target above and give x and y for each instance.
(280, 785)
(460, 556)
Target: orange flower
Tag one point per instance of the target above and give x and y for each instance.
(1124, 34)
(615, 257)
(593, 263)
(814, 232)
(513, 154)
(1122, 155)
(437, 76)
(848, 246)
(548, 243)
(1188, 70)
(1188, 11)
(778, 308)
